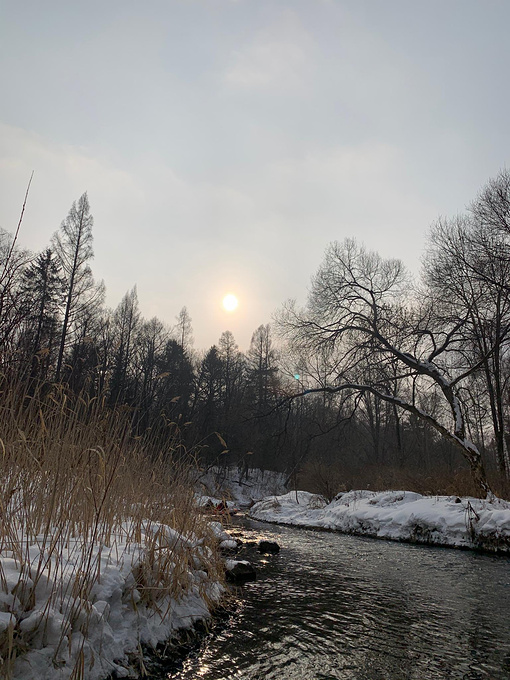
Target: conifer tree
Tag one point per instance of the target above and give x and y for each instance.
(73, 248)
(43, 290)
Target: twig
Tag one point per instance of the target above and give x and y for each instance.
(13, 244)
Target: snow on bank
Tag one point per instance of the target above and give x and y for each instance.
(398, 516)
(57, 619)
(241, 486)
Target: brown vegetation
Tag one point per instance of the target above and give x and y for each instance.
(72, 475)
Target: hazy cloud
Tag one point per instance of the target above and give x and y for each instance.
(277, 57)
(225, 143)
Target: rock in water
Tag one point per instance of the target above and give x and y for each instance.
(239, 571)
(268, 547)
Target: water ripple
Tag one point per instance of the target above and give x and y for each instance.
(332, 606)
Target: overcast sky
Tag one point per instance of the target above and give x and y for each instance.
(225, 143)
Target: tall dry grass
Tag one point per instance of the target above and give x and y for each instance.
(74, 481)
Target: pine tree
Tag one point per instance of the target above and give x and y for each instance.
(43, 290)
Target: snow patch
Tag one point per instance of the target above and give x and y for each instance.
(398, 515)
(242, 487)
(57, 615)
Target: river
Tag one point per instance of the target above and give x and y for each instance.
(337, 606)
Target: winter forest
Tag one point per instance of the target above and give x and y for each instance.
(381, 380)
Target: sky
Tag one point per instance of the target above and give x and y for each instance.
(224, 143)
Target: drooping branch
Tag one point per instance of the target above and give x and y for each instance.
(359, 304)
(467, 448)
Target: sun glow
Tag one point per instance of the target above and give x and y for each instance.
(230, 302)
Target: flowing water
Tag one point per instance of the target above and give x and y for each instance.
(336, 606)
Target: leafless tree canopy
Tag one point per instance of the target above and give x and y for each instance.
(392, 372)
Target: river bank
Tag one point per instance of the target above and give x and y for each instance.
(103, 550)
(54, 624)
(397, 515)
(152, 581)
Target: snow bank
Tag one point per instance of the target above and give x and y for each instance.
(59, 618)
(208, 501)
(398, 516)
(241, 486)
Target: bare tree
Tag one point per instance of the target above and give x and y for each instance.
(360, 304)
(72, 245)
(262, 368)
(12, 263)
(13, 310)
(150, 340)
(126, 323)
(468, 280)
(233, 366)
(183, 331)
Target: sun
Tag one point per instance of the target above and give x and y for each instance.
(230, 302)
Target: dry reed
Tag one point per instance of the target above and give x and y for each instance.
(76, 484)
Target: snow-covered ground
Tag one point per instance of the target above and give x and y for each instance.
(56, 619)
(242, 487)
(397, 515)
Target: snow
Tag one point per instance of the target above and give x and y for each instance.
(231, 564)
(458, 416)
(397, 515)
(205, 501)
(59, 618)
(243, 487)
(219, 532)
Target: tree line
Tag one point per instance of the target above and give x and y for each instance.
(379, 374)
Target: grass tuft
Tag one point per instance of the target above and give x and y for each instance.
(77, 488)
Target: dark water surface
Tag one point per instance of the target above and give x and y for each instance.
(336, 606)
